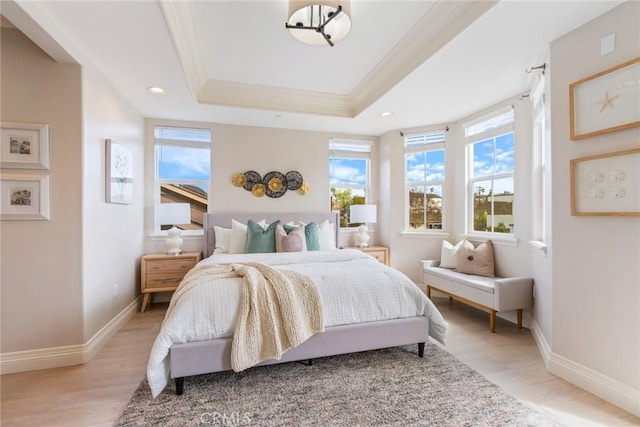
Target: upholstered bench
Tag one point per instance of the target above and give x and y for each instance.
(491, 294)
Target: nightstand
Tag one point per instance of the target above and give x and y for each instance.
(163, 273)
(381, 253)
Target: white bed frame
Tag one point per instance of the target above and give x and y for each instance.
(203, 357)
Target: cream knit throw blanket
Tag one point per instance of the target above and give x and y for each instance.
(279, 309)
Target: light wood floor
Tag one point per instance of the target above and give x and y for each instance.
(96, 393)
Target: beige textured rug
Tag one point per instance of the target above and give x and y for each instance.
(390, 387)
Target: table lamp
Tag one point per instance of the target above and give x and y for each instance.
(172, 214)
(366, 214)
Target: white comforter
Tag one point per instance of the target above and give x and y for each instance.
(354, 287)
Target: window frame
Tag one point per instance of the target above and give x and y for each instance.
(495, 129)
(342, 148)
(158, 182)
(425, 147)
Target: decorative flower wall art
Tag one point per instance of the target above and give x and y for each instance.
(274, 184)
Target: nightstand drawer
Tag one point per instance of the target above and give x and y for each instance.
(163, 273)
(380, 255)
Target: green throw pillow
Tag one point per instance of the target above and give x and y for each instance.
(260, 240)
(310, 234)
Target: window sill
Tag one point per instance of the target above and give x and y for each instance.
(539, 246)
(506, 240)
(426, 234)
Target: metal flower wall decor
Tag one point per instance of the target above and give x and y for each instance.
(273, 184)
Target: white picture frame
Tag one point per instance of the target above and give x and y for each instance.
(24, 197)
(119, 173)
(606, 184)
(24, 145)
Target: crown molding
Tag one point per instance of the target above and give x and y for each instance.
(441, 24)
(232, 94)
(180, 19)
(444, 20)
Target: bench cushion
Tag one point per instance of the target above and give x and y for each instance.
(485, 284)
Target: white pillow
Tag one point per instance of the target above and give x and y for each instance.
(326, 235)
(223, 239)
(294, 241)
(448, 257)
(238, 240)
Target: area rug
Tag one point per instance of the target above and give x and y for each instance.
(389, 387)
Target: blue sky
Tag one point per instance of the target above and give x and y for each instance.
(180, 163)
(489, 159)
(347, 172)
(425, 166)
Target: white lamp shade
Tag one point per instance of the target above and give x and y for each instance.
(173, 213)
(305, 12)
(363, 213)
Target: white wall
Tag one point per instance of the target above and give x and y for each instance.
(42, 260)
(113, 234)
(596, 272)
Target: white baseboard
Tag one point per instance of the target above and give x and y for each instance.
(56, 357)
(541, 342)
(594, 382)
(607, 388)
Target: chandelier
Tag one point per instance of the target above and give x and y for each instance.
(319, 22)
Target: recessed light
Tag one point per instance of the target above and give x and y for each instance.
(386, 114)
(156, 90)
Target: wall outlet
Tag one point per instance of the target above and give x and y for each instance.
(116, 287)
(608, 44)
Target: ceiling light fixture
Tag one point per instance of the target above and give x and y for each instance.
(317, 22)
(156, 90)
(386, 114)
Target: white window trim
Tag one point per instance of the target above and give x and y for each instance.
(157, 233)
(501, 238)
(361, 149)
(423, 148)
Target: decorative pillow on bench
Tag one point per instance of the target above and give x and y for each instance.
(449, 253)
(478, 260)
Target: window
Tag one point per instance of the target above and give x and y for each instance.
(183, 170)
(424, 180)
(491, 171)
(349, 162)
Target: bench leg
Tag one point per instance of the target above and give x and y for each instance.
(492, 321)
(519, 318)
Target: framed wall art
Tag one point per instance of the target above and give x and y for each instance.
(24, 197)
(606, 184)
(605, 102)
(24, 145)
(119, 173)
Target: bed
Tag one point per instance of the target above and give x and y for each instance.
(362, 313)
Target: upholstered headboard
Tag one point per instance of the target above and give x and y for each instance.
(223, 219)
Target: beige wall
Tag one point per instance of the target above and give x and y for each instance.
(243, 148)
(596, 273)
(42, 260)
(112, 233)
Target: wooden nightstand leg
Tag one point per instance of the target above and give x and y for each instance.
(145, 302)
(428, 291)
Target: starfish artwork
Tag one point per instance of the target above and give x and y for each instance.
(607, 101)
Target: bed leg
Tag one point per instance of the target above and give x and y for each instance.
(179, 386)
(308, 362)
(421, 349)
